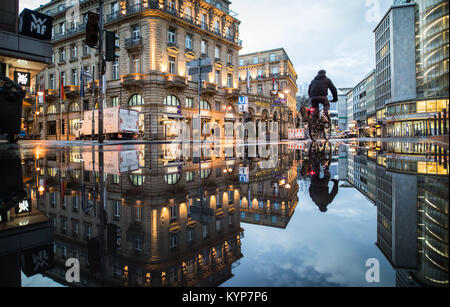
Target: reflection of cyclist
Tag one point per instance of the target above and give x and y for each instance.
(318, 189)
(318, 92)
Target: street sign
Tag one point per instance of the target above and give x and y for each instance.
(203, 70)
(38, 260)
(244, 175)
(200, 62)
(243, 104)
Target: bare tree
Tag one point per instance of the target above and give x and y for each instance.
(303, 97)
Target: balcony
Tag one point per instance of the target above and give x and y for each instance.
(51, 93)
(154, 5)
(69, 32)
(132, 80)
(134, 43)
(209, 89)
(232, 93)
(72, 91)
(175, 81)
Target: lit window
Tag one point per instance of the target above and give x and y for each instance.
(171, 101)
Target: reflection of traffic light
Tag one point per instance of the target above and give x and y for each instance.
(113, 236)
(111, 46)
(92, 29)
(94, 257)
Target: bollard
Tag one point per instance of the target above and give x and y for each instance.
(445, 121)
(440, 123)
(435, 125)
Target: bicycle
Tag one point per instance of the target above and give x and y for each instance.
(317, 126)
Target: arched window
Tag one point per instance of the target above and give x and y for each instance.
(137, 180)
(136, 100)
(204, 173)
(74, 107)
(205, 105)
(172, 178)
(171, 101)
(51, 109)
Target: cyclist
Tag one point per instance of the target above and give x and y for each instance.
(318, 190)
(318, 93)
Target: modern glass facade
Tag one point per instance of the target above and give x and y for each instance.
(432, 43)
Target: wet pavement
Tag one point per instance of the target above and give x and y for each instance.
(345, 213)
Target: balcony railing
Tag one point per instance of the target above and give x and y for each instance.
(133, 42)
(154, 5)
(69, 32)
(265, 60)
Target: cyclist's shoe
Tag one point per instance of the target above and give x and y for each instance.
(324, 119)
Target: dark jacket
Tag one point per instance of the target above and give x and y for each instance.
(320, 194)
(319, 87)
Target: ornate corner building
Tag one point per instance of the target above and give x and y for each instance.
(259, 74)
(157, 40)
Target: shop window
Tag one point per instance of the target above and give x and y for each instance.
(171, 101)
(136, 100)
(73, 125)
(51, 127)
(74, 107)
(51, 109)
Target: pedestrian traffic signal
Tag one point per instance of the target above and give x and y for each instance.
(92, 29)
(111, 46)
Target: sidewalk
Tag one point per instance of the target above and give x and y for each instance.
(441, 139)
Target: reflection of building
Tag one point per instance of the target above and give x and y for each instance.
(22, 229)
(412, 68)
(363, 170)
(21, 54)
(157, 40)
(265, 68)
(160, 241)
(412, 203)
(361, 99)
(270, 197)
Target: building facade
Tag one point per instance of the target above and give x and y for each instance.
(157, 40)
(259, 74)
(412, 52)
(362, 101)
(342, 109)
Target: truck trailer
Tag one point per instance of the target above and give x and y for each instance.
(118, 123)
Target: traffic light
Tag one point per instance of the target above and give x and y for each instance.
(92, 29)
(113, 235)
(94, 257)
(111, 46)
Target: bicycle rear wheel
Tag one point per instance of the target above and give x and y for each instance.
(327, 127)
(314, 129)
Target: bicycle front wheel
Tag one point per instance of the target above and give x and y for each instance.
(327, 127)
(314, 132)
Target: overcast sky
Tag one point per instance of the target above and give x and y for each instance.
(335, 35)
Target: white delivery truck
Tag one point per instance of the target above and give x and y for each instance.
(115, 162)
(118, 123)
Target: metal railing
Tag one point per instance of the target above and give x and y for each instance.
(154, 5)
(132, 42)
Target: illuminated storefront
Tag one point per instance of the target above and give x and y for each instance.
(416, 118)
